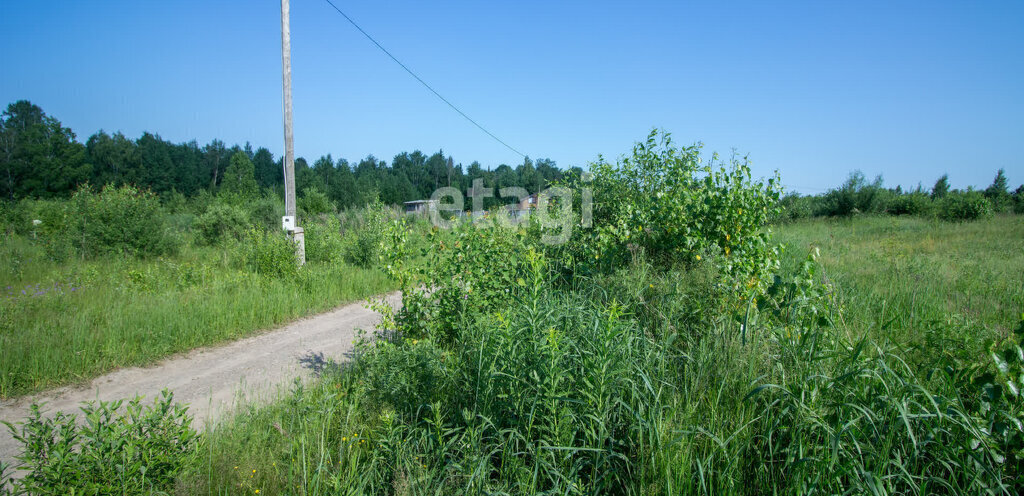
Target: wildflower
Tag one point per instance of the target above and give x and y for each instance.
(698, 258)
(344, 439)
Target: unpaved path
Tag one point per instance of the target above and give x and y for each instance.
(212, 380)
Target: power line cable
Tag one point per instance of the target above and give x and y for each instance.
(424, 83)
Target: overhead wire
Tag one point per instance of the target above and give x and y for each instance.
(424, 83)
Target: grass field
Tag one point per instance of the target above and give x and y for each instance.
(66, 323)
(909, 280)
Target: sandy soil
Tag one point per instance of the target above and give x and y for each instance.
(214, 380)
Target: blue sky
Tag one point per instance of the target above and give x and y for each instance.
(909, 90)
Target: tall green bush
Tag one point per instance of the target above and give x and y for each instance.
(120, 219)
(221, 222)
(855, 196)
(664, 200)
(910, 204)
(315, 202)
(271, 253)
(323, 240)
(965, 206)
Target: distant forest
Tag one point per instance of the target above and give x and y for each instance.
(40, 158)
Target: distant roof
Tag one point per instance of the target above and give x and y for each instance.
(416, 202)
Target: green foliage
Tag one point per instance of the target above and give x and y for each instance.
(118, 220)
(998, 193)
(910, 204)
(468, 271)
(40, 157)
(271, 254)
(139, 450)
(323, 240)
(965, 206)
(221, 222)
(795, 207)
(941, 187)
(239, 183)
(855, 196)
(315, 202)
(266, 212)
(663, 201)
(363, 239)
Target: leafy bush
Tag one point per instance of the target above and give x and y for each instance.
(1018, 200)
(795, 207)
(315, 202)
(965, 206)
(141, 449)
(855, 196)
(910, 204)
(119, 220)
(221, 222)
(323, 240)
(362, 242)
(661, 200)
(271, 253)
(266, 212)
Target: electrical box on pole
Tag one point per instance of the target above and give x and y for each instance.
(289, 222)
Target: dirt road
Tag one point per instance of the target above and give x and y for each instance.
(212, 380)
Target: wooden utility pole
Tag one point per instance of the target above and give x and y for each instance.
(290, 223)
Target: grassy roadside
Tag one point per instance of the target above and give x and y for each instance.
(66, 323)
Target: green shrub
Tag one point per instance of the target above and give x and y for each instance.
(323, 240)
(140, 450)
(266, 212)
(910, 204)
(855, 196)
(362, 242)
(271, 253)
(661, 200)
(1018, 200)
(795, 207)
(221, 222)
(315, 202)
(119, 220)
(965, 206)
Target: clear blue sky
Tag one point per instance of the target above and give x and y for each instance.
(910, 90)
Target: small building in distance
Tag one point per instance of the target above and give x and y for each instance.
(520, 210)
(527, 203)
(420, 207)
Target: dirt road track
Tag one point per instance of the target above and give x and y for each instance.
(213, 380)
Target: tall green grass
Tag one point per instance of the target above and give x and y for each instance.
(80, 319)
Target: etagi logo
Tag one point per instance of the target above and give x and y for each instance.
(551, 208)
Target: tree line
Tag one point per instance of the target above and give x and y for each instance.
(40, 158)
